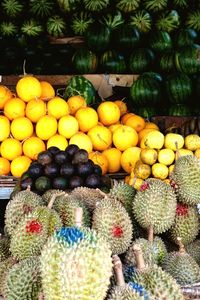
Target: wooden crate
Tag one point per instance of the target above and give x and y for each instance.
(7, 184)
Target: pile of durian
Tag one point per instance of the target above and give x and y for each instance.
(89, 244)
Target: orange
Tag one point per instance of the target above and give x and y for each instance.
(57, 107)
(101, 137)
(129, 158)
(122, 106)
(4, 166)
(99, 159)
(35, 109)
(125, 137)
(48, 91)
(114, 127)
(108, 112)
(68, 126)
(143, 132)
(11, 148)
(136, 122)
(151, 125)
(114, 159)
(5, 94)
(57, 140)
(125, 117)
(82, 140)
(33, 146)
(4, 128)
(87, 118)
(19, 165)
(76, 102)
(46, 127)
(21, 128)
(28, 88)
(14, 108)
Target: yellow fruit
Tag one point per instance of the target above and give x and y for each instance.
(149, 156)
(108, 112)
(122, 106)
(197, 152)
(170, 169)
(192, 142)
(153, 139)
(183, 152)
(5, 94)
(35, 109)
(114, 159)
(57, 140)
(125, 137)
(143, 132)
(174, 141)
(48, 91)
(136, 183)
(125, 117)
(76, 102)
(159, 171)
(127, 179)
(11, 148)
(19, 165)
(167, 180)
(14, 108)
(99, 159)
(57, 107)
(113, 127)
(28, 88)
(68, 126)
(32, 147)
(87, 118)
(46, 127)
(151, 125)
(136, 122)
(142, 170)
(82, 140)
(166, 156)
(129, 157)
(4, 166)
(101, 137)
(21, 128)
(4, 128)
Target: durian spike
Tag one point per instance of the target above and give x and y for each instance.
(181, 246)
(177, 150)
(150, 234)
(53, 198)
(101, 192)
(78, 216)
(118, 271)
(139, 258)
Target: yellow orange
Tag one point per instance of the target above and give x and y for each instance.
(47, 92)
(125, 137)
(68, 126)
(33, 146)
(149, 156)
(5, 94)
(57, 140)
(99, 159)
(57, 107)
(101, 137)
(4, 166)
(46, 127)
(76, 102)
(87, 118)
(19, 165)
(28, 88)
(151, 125)
(125, 117)
(129, 158)
(11, 148)
(108, 112)
(82, 140)
(143, 132)
(4, 128)
(197, 152)
(35, 109)
(114, 159)
(21, 128)
(122, 106)
(136, 122)
(153, 139)
(160, 171)
(14, 108)
(113, 127)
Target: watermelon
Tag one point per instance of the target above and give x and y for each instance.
(188, 59)
(160, 41)
(141, 60)
(146, 111)
(185, 37)
(167, 61)
(126, 37)
(179, 110)
(84, 61)
(79, 85)
(97, 37)
(112, 61)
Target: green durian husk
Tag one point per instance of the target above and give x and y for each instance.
(5, 265)
(4, 247)
(124, 293)
(193, 249)
(49, 193)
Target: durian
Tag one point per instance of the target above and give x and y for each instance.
(5, 265)
(49, 193)
(22, 203)
(193, 249)
(111, 219)
(23, 280)
(186, 225)
(182, 266)
(185, 178)
(4, 247)
(155, 205)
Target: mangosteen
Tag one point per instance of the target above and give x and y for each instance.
(27, 182)
(93, 181)
(81, 156)
(75, 181)
(84, 169)
(106, 181)
(52, 170)
(45, 157)
(61, 157)
(97, 170)
(67, 169)
(42, 184)
(35, 170)
(60, 183)
(53, 150)
(71, 150)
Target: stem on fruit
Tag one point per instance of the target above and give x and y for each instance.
(53, 198)
(139, 257)
(118, 271)
(150, 234)
(78, 214)
(181, 246)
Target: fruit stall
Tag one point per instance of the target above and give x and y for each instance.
(100, 150)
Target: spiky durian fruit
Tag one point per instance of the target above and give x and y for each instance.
(141, 20)
(88, 195)
(111, 219)
(81, 22)
(12, 8)
(95, 5)
(4, 247)
(56, 26)
(124, 193)
(5, 265)
(76, 262)
(23, 280)
(22, 203)
(155, 5)
(186, 225)
(8, 29)
(182, 266)
(193, 20)
(49, 193)
(124, 293)
(43, 8)
(155, 205)
(193, 249)
(169, 21)
(185, 179)
(127, 6)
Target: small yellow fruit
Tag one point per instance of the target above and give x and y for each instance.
(113, 127)
(5, 94)
(58, 141)
(122, 106)
(19, 165)
(197, 153)
(21, 128)
(101, 137)
(151, 125)
(183, 152)
(33, 146)
(57, 107)
(144, 132)
(171, 168)
(129, 157)
(28, 88)
(14, 108)
(127, 179)
(35, 109)
(87, 118)
(68, 126)
(136, 183)
(192, 142)
(76, 102)
(99, 159)
(114, 159)
(48, 91)
(125, 137)
(159, 171)
(46, 127)
(153, 139)
(142, 170)
(4, 166)
(166, 156)
(174, 141)
(136, 122)
(149, 156)
(11, 148)
(82, 140)
(4, 128)
(108, 112)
